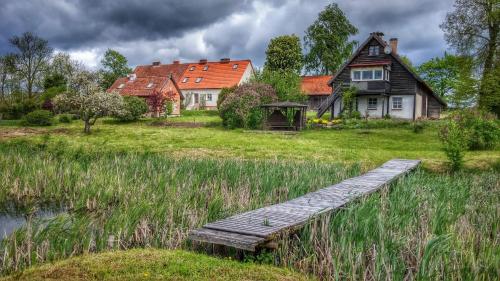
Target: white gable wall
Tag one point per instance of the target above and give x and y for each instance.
(406, 112)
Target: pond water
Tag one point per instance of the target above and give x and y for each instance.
(12, 220)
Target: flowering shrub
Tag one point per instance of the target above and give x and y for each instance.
(133, 109)
(90, 106)
(241, 108)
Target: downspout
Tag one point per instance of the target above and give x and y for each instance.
(414, 105)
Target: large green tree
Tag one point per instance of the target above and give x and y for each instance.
(284, 53)
(115, 65)
(31, 59)
(472, 29)
(451, 77)
(327, 41)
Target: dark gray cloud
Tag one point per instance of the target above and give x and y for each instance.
(146, 30)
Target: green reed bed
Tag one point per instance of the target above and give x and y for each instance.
(125, 200)
(424, 227)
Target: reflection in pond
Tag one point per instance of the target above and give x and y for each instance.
(10, 219)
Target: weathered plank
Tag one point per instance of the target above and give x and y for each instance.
(251, 229)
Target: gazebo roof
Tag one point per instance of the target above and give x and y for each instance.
(284, 104)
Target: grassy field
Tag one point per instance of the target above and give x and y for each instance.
(154, 265)
(136, 185)
(370, 147)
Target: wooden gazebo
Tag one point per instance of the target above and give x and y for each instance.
(284, 115)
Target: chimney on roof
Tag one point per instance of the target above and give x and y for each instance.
(394, 45)
(225, 60)
(203, 61)
(176, 62)
(156, 62)
(132, 77)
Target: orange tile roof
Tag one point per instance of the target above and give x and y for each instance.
(218, 75)
(316, 85)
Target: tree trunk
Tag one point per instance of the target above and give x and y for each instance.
(87, 127)
(493, 29)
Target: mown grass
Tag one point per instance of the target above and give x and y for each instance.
(153, 264)
(371, 147)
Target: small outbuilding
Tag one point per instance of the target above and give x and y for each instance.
(284, 116)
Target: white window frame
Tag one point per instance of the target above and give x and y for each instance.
(185, 80)
(393, 103)
(192, 68)
(121, 86)
(372, 69)
(235, 66)
(205, 68)
(198, 80)
(209, 97)
(372, 107)
(150, 85)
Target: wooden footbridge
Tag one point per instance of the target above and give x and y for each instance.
(258, 228)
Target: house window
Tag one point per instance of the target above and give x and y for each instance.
(196, 98)
(397, 103)
(192, 68)
(198, 80)
(235, 66)
(387, 75)
(121, 86)
(150, 85)
(372, 103)
(205, 68)
(373, 51)
(209, 97)
(185, 79)
(356, 75)
(367, 74)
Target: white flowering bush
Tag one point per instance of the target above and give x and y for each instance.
(90, 106)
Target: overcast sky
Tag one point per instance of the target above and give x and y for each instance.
(148, 30)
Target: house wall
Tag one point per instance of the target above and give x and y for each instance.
(189, 98)
(363, 106)
(407, 111)
(247, 75)
(337, 107)
(418, 105)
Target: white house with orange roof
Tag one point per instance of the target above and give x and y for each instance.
(195, 85)
(202, 82)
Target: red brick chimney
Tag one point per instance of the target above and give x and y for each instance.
(176, 61)
(394, 45)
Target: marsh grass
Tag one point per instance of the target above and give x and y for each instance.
(424, 227)
(126, 200)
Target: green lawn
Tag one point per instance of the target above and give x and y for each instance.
(371, 147)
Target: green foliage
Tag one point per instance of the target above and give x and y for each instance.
(418, 127)
(17, 108)
(454, 141)
(65, 118)
(241, 108)
(451, 78)
(348, 103)
(327, 41)
(490, 87)
(114, 66)
(406, 60)
(223, 94)
(169, 107)
(133, 109)
(481, 130)
(285, 83)
(54, 80)
(284, 53)
(38, 118)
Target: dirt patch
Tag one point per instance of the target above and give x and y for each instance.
(179, 124)
(6, 133)
(19, 132)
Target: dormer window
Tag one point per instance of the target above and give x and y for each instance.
(192, 68)
(235, 66)
(374, 51)
(121, 86)
(185, 79)
(198, 80)
(205, 68)
(150, 85)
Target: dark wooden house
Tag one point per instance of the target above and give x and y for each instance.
(385, 84)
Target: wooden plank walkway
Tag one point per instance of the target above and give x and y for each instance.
(253, 229)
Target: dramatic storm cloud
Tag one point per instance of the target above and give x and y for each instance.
(147, 30)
